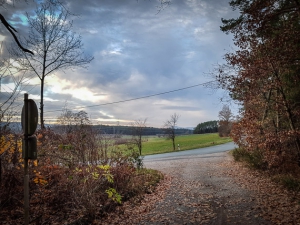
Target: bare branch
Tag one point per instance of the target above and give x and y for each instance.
(12, 30)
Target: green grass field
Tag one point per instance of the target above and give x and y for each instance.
(156, 145)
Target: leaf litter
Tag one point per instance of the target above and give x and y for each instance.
(209, 189)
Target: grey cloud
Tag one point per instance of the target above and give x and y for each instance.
(181, 108)
(139, 52)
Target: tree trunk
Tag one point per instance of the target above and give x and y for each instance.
(0, 171)
(291, 122)
(42, 104)
(266, 106)
(140, 144)
(173, 139)
(289, 115)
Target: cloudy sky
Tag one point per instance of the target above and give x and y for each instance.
(137, 52)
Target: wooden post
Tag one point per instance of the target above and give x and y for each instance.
(26, 176)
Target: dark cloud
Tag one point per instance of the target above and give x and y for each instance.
(139, 52)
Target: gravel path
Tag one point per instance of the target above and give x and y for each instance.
(201, 193)
(210, 189)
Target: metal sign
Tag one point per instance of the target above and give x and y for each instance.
(32, 117)
(31, 152)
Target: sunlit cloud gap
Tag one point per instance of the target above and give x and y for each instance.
(133, 99)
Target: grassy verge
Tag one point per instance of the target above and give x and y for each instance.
(156, 145)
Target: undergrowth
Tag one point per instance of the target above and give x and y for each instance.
(287, 180)
(287, 175)
(74, 180)
(253, 159)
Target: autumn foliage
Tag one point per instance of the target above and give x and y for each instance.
(73, 179)
(263, 76)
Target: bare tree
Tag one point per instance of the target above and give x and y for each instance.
(56, 47)
(138, 127)
(8, 106)
(70, 121)
(170, 126)
(79, 135)
(225, 123)
(9, 93)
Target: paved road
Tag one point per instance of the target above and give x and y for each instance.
(195, 152)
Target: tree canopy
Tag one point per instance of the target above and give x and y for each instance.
(263, 76)
(206, 127)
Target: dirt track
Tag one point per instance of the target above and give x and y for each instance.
(201, 193)
(210, 189)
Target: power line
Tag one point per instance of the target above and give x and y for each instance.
(133, 99)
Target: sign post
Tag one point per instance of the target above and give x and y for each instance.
(25, 149)
(29, 119)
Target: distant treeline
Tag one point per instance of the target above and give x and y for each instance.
(128, 130)
(201, 128)
(207, 127)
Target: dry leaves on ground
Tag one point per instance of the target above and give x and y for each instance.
(276, 203)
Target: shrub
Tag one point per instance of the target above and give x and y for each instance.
(254, 159)
(288, 181)
(62, 187)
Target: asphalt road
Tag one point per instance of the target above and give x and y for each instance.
(194, 152)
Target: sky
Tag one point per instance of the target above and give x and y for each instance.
(138, 51)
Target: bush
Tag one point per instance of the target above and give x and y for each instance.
(62, 187)
(253, 159)
(288, 181)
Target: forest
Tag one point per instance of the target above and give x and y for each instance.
(206, 127)
(263, 77)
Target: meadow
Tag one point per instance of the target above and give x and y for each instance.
(156, 145)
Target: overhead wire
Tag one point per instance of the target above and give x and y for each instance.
(134, 99)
